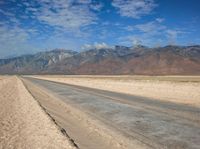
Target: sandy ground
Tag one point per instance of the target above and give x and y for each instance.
(87, 132)
(23, 123)
(121, 119)
(179, 89)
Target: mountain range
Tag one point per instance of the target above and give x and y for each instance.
(139, 60)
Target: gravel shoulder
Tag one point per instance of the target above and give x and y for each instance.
(23, 123)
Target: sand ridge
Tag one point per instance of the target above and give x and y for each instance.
(23, 123)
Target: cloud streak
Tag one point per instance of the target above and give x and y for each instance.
(134, 8)
(66, 14)
(56, 21)
(152, 33)
(47, 24)
(95, 46)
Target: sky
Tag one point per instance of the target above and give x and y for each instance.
(29, 26)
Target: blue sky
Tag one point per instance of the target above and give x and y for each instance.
(28, 26)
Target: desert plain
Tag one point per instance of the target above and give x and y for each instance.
(179, 89)
(100, 112)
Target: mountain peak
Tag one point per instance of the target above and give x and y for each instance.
(118, 60)
(139, 46)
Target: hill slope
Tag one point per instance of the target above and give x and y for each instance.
(33, 64)
(180, 60)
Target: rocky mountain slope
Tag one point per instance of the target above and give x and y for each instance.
(33, 64)
(168, 60)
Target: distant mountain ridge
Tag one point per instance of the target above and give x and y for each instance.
(35, 63)
(168, 60)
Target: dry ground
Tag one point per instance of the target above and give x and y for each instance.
(179, 89)
(23, 123)
(121, 119)
(87, 132)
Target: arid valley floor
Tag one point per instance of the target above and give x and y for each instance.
(100, 112)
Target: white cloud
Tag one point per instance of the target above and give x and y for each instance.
(152, 33)
(14, 35)
(172, 35)
(84, 1)
(101, 45)
(129, 28)
(96, 6)
(142, 39)
(65, 14)
(63, 19)
(152, 27)
(134, 8)
(160, 20)
(14, 40)
(95, 46)
(136, 41)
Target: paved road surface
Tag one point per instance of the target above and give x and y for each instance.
(156, 124)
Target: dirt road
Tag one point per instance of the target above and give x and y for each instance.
(178, 89)
(103, 119)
